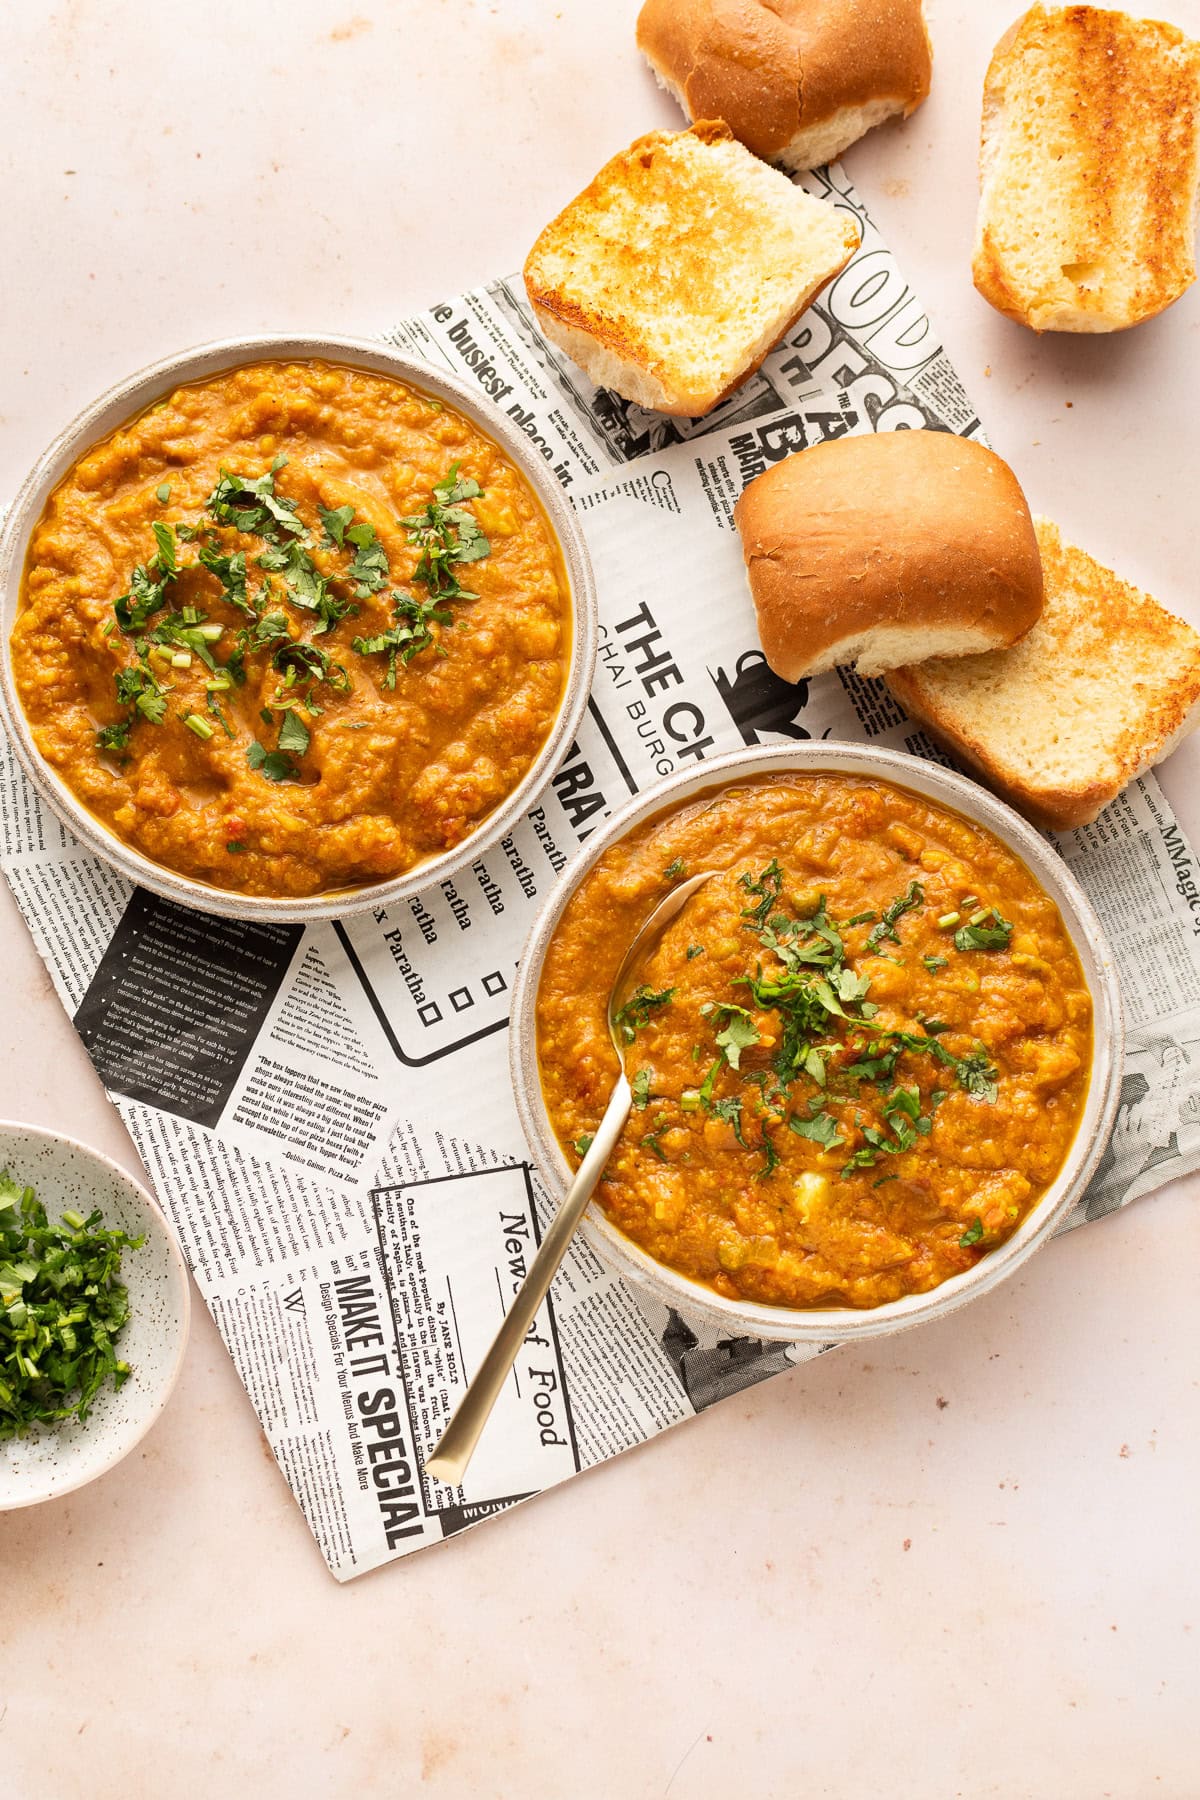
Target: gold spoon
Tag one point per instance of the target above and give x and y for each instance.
(457, 1444)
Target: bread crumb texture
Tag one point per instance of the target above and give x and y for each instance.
(1089, 170)
(1106, 684)
(682, 264)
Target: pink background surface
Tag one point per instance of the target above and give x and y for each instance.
(962, 1564)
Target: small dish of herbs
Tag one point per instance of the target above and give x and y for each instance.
(93, 1314)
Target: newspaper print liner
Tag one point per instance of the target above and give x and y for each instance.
(325, 1111)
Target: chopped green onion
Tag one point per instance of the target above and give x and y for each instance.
(689, 1100)
(210, 633)
(199, 726)
(182, 659)
(76, 1221)
(977, 918)
(947, 920)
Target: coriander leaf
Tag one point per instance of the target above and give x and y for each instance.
(821, 1129)
(636, 1012)
(675, 871)
(164, 555)
(729, 1111)
(62, 1308)
(115, 736)
(641, 1089)
(334, 522)
(294, 735)
(162, 493)
(738, 1033)
(451, 490)
(984, 937)
(885, 931)
(253, 506)
(369, 566)
(976, 1074)
(274, 764)
(934, 963)
(768, 888)
(230, 571)
(971, 1235)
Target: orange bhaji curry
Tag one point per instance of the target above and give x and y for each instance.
(294, 629)
(858, 1056)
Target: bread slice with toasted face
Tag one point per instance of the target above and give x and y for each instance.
(685, 261)
(885, 549)
(1106, 684)
(798, 81)
(1089, 169)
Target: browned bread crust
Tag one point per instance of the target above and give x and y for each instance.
(1090, 146)
(886, 549)
(796, 80)
(1106, 684)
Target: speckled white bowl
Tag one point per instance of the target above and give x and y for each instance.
(126, 401)
(53, 1460)
(832, 1324)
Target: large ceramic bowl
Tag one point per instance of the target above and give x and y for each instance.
(52, 1460)
(132, 397)
(829, 1325)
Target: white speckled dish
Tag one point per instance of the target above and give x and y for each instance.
(126, 401)
(52, 1461)
(834, 1325)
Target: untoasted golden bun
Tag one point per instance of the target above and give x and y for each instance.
(1106, 684)
(888, 549)
(797, 80)
(681, 265)
(1089, 169)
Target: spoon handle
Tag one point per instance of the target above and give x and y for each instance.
(457, 1444)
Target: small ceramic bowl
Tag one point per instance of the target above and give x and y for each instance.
(132, 397)
(832, 1325)
(52, 1460)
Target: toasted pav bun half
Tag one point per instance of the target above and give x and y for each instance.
(888, 549)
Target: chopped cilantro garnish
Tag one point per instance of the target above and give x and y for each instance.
(162, 493)
(62, 1307)
(972, 1234)
(885, 931)
(729, 1111)
(274, 764)
(984, 937)
(738, 1032)
(581, 1145)
(294, 736)
(694, 950)
(821, 1129)
(651, 1140)
(334, 522)
(768, 888)
(636, 1012)
(934, 963)
(251, 505)
(641, 1089)
(976, 1074)
(675, 871)
(369, 568)
(115, 736)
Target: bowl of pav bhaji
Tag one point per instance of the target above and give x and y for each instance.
(875, 1059)
(293, 626)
